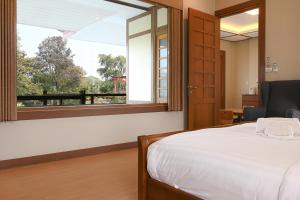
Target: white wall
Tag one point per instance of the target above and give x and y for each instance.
(37, 137)
(29, 138)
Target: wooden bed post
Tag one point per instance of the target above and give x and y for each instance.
(143, 144)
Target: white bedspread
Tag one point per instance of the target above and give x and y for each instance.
(227, 164)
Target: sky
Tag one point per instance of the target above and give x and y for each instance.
(85, 53)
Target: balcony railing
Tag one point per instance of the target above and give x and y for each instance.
(82, 97)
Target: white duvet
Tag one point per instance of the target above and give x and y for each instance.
(227, 164)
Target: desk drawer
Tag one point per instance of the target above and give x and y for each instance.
(250, 100)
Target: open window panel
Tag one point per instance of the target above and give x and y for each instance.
(87, 52)
(148, 57)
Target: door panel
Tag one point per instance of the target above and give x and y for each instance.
(204, 70)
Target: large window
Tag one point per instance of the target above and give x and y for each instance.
(86, 52)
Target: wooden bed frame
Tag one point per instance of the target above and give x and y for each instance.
(151, 189)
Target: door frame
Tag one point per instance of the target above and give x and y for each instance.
(223, 78)
(241, 8)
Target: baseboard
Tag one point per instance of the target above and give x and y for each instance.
(5, 164)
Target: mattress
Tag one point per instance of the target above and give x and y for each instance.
(228, 163)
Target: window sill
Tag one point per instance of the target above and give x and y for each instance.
(81, 111)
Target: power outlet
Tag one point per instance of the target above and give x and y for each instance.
(275, 67)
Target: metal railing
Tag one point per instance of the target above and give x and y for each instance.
(82, 97)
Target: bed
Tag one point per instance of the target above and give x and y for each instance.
(218, 163)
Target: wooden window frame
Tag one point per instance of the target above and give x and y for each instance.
(13, 113)
(161, 35)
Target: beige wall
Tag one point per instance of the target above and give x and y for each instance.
(220, 4)
(282, 36)
(29, 138)
(241, 70)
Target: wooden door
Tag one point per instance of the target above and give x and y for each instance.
(223, 77)
(204, 70)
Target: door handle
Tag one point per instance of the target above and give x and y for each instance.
(192, 87)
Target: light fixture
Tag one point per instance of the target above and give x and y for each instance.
(239, 29)
(253, 12)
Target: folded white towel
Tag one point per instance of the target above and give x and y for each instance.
(278, 126)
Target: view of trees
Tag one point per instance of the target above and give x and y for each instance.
(53, 70)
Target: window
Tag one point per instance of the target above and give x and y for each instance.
(87, 52)
(162, 68)
(95, 26)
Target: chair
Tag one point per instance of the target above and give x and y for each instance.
(279, 99)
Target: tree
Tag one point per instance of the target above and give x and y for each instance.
(56, 71)
(91, 84)
(109, 67)
(25, 73)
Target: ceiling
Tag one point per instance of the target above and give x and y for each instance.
(240, 27)
(81, 19)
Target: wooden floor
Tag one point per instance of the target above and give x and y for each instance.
(109, 176)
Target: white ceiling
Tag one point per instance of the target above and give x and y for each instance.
(241, 20)
(239, 27)
(90, 20)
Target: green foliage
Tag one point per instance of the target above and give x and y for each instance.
(107, 86)
(25, 73)
(109, 67)
(55, 69)
(91, 84)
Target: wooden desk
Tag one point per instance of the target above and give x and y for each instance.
(230, 115)
(236, 111)
(250, 100)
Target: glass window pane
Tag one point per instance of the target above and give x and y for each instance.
(163, 43)
(140, 25)
(163, 93)
(163, 73)
(140, 73)
(162, 17)
(163, 53)
(163, 83)
(163, 63)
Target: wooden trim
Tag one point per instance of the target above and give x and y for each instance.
(249, 5)
(175, 61)
(158, 68)
(139, 34)
(5, 164)
(8, 69)
(178, 4)
(223, 78)
(262, 42)
(237, 9)
(161, 191)
(81, 111)
(162, 30)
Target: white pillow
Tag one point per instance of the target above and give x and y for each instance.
(282, 124)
